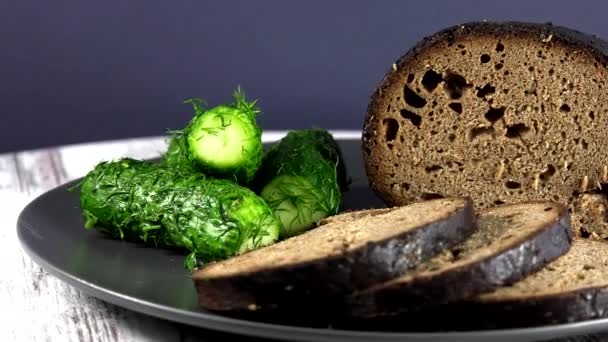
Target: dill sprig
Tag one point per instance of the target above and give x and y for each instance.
(248, 107)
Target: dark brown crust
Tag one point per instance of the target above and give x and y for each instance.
(565, 307)
(322, 284)
(502, 268)
(565, 37)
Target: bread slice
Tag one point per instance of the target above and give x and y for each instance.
(572, 288)
(511, 242)
(500, 112)
(324, 264)
(349, 216)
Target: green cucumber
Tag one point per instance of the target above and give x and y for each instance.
(141, 201)
(301, 179)
(223, 142)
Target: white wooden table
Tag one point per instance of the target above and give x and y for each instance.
(35, 306)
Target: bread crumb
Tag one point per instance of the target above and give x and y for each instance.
(605, 174)
(536, 181)
(565, 165)
(394, 67)
(252, 307)
(501, 169)
(548, 39)
(585, 184)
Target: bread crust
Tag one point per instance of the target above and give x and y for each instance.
(570, 306)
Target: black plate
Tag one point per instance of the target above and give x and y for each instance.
(154, 281)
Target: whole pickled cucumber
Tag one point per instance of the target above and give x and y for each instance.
(141, 201)
(301, 179)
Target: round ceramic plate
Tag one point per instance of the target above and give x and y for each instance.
(154, 281)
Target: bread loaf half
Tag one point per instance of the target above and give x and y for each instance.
(500, 112)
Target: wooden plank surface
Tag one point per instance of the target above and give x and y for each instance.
(35, 306)
(38, 307)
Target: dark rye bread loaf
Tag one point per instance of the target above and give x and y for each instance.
(511, 242)
(321, 266)
(500, 112)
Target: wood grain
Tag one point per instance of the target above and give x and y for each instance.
(9, 181)
(39, 307)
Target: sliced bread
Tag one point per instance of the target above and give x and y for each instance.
(325, 264)
(501, 112)
(349, 216)
(511, 242)
(572, 288)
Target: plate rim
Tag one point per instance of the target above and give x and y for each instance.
(270, 330)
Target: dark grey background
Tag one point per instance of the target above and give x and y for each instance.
(82, 70)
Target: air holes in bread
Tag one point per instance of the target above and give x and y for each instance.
(413, 99)
(499, 66)
(431, 80)
(456, 253)
(564, 108)
(432, 168)
(495, 114)
(547, 174)
(486, 90)
(499, 47)
(516, 131)
(455, 85)
(512, 185)
(414, 118)
(456, 106)
(410, 78)
(485, 58)
(391, 127)
(430, 195)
